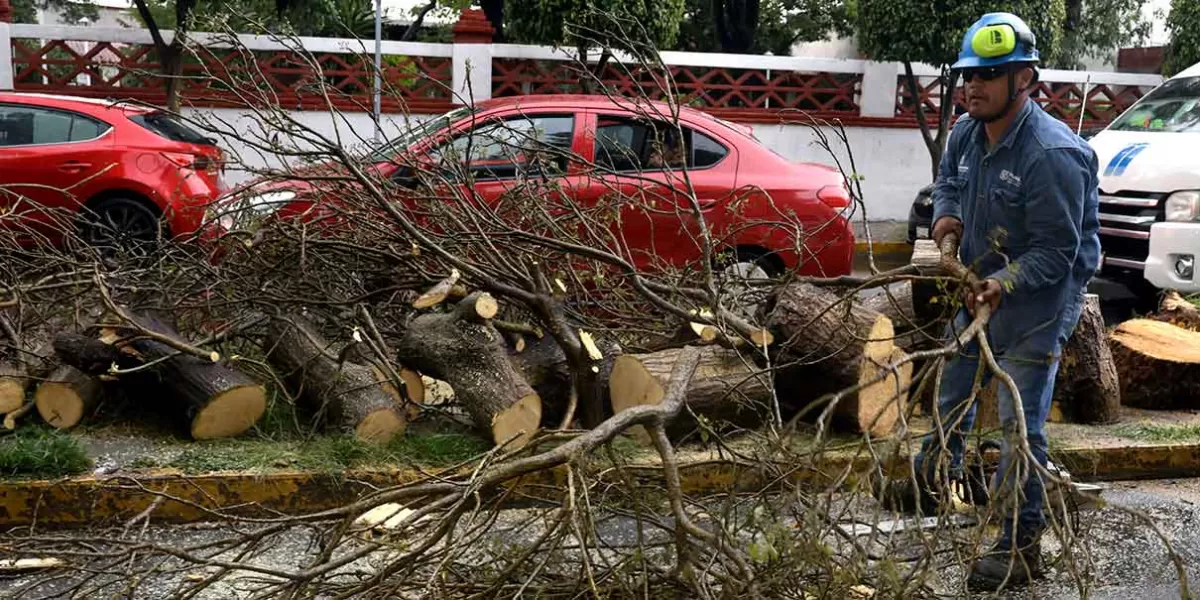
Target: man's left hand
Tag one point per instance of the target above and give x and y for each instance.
(988, 291)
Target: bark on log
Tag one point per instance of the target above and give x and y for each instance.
(843, 348)
(727, 388)
(409, 395)
(1158, 364)
(67, 396)
(345, 395)
(1088, 387)
(461, 348)
(910, 305)
(1177, 311)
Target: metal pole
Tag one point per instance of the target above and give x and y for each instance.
(378, 67)
(1087, 84)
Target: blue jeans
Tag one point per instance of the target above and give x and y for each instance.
(1035, 382)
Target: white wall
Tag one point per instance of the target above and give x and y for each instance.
(893, 162)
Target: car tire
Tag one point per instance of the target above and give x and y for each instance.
(743, 265)
(122, 223)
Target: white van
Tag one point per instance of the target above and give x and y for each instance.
(1150, 188)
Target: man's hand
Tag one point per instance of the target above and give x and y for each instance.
(988, 291)
(946, 225)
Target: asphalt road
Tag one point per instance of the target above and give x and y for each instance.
(1119, 557)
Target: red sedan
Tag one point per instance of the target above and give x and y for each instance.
(771, 213)
(135, 174)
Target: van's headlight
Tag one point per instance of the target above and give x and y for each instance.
(1183, 206)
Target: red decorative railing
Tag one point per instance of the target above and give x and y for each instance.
(231, 76)
(1061, 99)
(726, 91)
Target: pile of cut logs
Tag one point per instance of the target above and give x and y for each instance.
(511, 380)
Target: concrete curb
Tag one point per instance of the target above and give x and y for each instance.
(111, 500)
(883, 248)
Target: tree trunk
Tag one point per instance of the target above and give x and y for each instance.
(67, 396)
(726, 389)
(910, 305)
(463, 349)
(1158, 364)
(345, 395)
(1087, 386)
(1177, 311)
(494, 10)
(837, 349)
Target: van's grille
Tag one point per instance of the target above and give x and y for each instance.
(1125, 220)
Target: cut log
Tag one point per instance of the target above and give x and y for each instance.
(10, 420)
(1158, 364)
(910, 305)
(343, 395)
(1177, 311)
(13, 384)
(836, 346)
(214, 400)
(66, 396)
(544, 366)
(461, 348)
(1088, 387)
(437, 293)
(727, 388)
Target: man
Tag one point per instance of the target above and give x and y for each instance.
(1019, 189)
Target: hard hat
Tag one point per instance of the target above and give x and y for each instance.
(996, 39)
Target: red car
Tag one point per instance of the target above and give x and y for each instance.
(750, 196)
(114, 171)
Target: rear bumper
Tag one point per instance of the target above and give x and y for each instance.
(1169, 243)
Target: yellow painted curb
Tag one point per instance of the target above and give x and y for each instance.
(108, 500)
(883, 247)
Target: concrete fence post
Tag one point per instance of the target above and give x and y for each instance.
(6, 57)
(471, 70)
(878, 95)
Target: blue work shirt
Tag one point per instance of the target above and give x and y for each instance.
(1030, 213)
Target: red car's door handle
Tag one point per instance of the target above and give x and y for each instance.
(73, 166)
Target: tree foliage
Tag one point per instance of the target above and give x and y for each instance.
(1184, 27)
(1097, 28)
(592, 23)
(778, 25)
(73, 13)
(331, 18)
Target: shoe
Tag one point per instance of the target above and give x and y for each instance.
(904, 497)
(1004, 568)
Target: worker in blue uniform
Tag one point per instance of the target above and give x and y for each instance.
(1019, 189)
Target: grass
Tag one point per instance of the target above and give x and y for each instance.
(324, 454)
(37, 451)
(1152, 432)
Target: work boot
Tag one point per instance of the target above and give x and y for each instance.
(905, 497)
(1001, 566)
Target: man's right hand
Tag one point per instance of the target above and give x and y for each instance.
(946, 225)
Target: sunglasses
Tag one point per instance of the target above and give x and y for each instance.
(985, 73)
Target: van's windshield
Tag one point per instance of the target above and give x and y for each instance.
(1172, 107)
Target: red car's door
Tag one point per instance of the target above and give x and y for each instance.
(640, 164)
(50, 162)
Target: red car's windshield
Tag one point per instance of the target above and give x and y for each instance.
(392, 149)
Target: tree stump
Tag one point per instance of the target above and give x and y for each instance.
(837, 346)
(463, 349)
(727, 388)
(345, 395)
(1087, 386)
(1158, 364)
(66, 396)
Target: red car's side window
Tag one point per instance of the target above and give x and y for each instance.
(506, 148)
(30, 125)
(625, 144)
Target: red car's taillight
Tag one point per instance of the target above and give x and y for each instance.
(834, 196)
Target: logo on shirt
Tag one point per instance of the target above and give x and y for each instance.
(1008, 177)
(1121, 160)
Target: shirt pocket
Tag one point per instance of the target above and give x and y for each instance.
(1008, 208)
